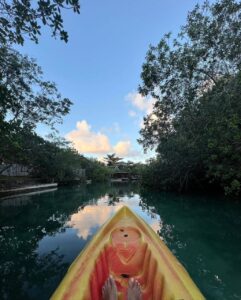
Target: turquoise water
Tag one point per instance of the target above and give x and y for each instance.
(42, 233)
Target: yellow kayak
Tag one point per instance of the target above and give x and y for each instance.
(126, 247)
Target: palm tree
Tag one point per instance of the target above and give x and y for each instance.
(112, 160)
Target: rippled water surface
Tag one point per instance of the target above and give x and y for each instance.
(42, 233)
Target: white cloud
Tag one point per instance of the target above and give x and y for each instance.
(125, 149)
(86, 141)
(143, 104)
(132, 113)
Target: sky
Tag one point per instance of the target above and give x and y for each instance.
(99, 70)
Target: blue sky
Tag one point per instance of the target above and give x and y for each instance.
(99, 69)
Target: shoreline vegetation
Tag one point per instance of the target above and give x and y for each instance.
(195, 125)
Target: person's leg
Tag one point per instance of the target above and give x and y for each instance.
(134, 290)
(109, 290)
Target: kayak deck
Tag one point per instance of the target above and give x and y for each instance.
(126, 247)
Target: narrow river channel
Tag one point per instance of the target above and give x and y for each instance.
(42, 233)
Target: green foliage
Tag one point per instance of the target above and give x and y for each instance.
(26, 100)
(47, 159)
(24, 96)
(178, 71)
(223, 134)
(51, 159)
(23, 19)
(131, 167)
(97, 171)
(196, 121)
(54, 162)
(204, 147)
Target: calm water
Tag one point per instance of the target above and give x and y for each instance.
(41, 234)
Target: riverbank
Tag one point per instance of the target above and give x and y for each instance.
(18, 185)
(26, 189)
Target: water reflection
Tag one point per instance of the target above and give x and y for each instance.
(90, 217)
(41, 234)
(24, 199)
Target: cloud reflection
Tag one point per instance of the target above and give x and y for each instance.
(91, 217)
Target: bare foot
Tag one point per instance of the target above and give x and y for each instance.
(109, 290)
(134, 290)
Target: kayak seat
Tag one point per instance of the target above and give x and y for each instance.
(125, 256)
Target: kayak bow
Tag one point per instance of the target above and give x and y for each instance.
(126, 247)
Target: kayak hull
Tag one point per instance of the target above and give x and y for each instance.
(126, 247)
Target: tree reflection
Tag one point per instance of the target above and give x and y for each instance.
(26, 221)
(24, 273)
